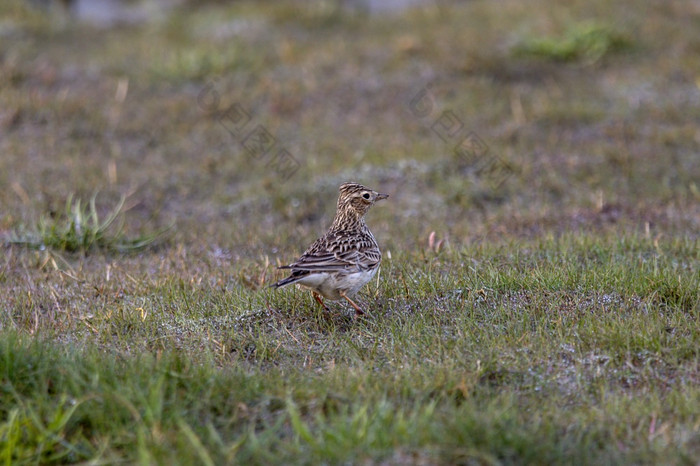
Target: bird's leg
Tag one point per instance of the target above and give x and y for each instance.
(318, 299)
(358, 311)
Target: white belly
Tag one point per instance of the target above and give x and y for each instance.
(330, 285)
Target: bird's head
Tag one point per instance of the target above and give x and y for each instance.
(355, 200)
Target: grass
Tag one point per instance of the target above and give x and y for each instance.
(551, 318)
(587, 42)
(557, 354)
(79, 228)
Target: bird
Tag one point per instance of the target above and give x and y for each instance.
(346, 257)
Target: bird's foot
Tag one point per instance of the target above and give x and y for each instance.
(319, 300)
(358, 311)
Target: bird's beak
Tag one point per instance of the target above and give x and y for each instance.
(381, 196)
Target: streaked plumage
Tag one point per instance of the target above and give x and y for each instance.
(343, 260)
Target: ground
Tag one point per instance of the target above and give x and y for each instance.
(539, 296)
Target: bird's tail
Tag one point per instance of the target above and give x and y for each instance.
(286, 281)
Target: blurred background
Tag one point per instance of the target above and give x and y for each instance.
(237, 121)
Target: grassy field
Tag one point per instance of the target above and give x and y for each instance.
(538, 301)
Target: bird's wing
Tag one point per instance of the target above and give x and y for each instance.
(336, 253)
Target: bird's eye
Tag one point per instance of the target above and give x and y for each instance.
(366, 195)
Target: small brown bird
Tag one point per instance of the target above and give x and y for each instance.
(343, 260)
